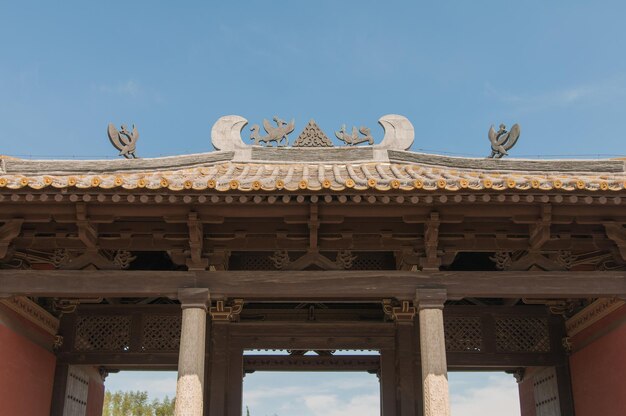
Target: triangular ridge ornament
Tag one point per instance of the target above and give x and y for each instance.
(312, 136)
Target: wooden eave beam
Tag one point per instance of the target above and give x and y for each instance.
(312, 285)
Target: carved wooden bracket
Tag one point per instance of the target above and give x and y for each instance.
(218, 260)
(194, 297)
(617, 233)
(432, 261)
(403, 313)
(343, 261)
(408, 260)
(91, 259)
(539, 235)
(536, 261)
(196, 240)
(431, 298)
(65, 306)
(87, 233)
(8, 232)
(540, 231)
(221, 312)
(555, 306)
(314, 226)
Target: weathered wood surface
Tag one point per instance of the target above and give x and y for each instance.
(66, 167)
(326, 155)
(312, 285)
(319, 154)
(369, 363)
(169, 361)
(561, 165)
(464, 227)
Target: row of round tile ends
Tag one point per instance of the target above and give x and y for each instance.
(271, 199)
(177, 184)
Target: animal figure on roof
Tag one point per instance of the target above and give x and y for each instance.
(502, 140)
(274, 134)
(125, 141)
(354, 138)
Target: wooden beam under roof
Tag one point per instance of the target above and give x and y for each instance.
(344, 286)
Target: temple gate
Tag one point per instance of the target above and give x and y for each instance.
(430, 263)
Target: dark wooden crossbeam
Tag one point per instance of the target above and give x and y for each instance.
(369, 363)
(345, 286)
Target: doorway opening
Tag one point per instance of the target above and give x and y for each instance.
(483, 393)
(312, 383)
(140, 392)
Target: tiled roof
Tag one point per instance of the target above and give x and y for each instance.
(314, 176)
(238, 166)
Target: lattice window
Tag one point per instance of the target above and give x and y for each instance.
(76, 392)
(369, 261)
(102, 333)
(257, 263)
(522, 335)
(463, 334)
(161, 333)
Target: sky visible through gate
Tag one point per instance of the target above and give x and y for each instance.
(453, 68)
(337, 394)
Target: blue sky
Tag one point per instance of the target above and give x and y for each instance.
(453, 68)
(336, 394)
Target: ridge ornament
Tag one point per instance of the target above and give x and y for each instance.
(312, 136)
(354, 138)
(274, 134)
(502, 140)
(125, 141)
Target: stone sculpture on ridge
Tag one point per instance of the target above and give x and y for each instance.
(312, 136)
(354, 138)
(125, 141)
(276, 134)
(502, 140)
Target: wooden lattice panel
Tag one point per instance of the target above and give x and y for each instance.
(522, 334)
(370, 261)
(161, 333)
(102, 333)
(463, 334)
(256, 262)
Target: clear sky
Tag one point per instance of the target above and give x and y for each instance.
(453, 68)
(558, 68)
(337, 394)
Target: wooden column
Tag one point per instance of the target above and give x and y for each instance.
(59, 389)
(226, 379)
(433, 351)
(217, 388)
(234, 398)
(190, 384)
(388, 382)
(407, 388)
(558, 333)
(226, 386)
(405, 368)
